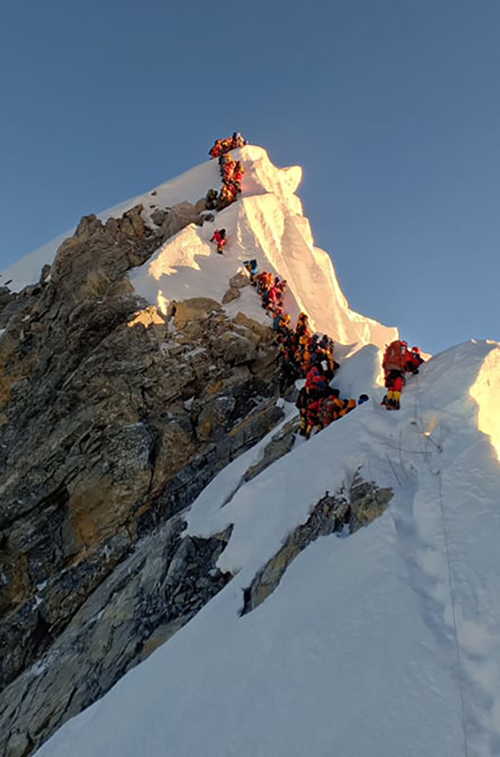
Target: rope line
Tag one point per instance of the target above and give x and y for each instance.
(418, 410)
(455, 630)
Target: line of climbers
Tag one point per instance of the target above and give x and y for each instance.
(231, 172)
(398, 360)
(302, 355)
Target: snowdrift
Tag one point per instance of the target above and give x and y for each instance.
(383, 643)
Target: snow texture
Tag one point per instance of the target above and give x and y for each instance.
(382, 644)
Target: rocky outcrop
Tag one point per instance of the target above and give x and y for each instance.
(280, 444)
(147, 599)
(345, 511)
(172, 220)
(113, 417)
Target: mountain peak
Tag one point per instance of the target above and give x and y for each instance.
(266, 223)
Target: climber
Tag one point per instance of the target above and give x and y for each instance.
(215, 151)
(317, 382)
(395, 356)
(273, 299)
(314, 412)
(277, 316)
(331, 408)
(237, 140)
(347, 406)
(227, 168)
(252, 268)
(237, 175)
(226, 197)
(413, 360)
(284, 323)
(305, 357)
(261, 283)
(394, 383)
(211, 199)
(219, 237)
(301, 404)
(302, 329)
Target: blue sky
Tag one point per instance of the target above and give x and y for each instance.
(391, 107)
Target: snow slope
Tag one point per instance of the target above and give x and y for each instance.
(382, 644)
(266, 223)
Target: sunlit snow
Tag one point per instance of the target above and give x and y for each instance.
(355, 652)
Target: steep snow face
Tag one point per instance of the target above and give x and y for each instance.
(266, 223)
(383, 643)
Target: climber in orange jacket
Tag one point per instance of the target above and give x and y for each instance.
(220, 238)
(227, 196)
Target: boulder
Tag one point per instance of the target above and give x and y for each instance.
(235, 349)
(195, 309)
(239, 280)
(179, 217)
(159, 216)
(264, 333)
(231, 294)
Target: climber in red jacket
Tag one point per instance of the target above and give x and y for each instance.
(395, 356)
(220, 238)
(394, 383)
(413, 360)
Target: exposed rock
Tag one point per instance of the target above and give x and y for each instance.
(195, 309)
(45, 273)
(234, 348)
(112, 419)
(131, 613)
(261, 331)
(231, 294)
(159, 216)
(279, 446)
(239, 280)
(364, 502)
(179, 216)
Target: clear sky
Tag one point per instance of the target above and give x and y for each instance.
(392, 107)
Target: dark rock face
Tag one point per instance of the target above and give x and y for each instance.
(350, 510)
(113, 418)
(148, 598)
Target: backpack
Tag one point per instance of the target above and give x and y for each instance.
(395, 357)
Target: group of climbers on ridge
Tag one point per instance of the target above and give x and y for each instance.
(231, 173)
(398, 360)
(302, 355)
(232, 176)
(225, 144)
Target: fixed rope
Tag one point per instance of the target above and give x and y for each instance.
(455, 629)
(427, 435)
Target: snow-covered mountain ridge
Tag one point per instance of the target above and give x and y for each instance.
(266, 223)
(383, 643)
(156, 496)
